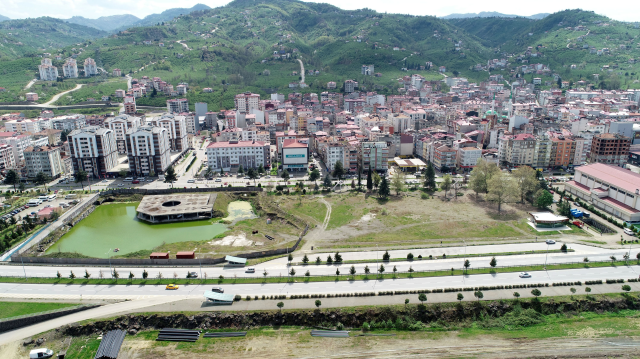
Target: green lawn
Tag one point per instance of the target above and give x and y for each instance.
(14, 309)
(341, 215)
(315, 210)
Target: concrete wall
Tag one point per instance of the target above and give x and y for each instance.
(23, 321)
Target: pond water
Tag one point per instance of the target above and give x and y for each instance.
(116, 226)
(240, 210)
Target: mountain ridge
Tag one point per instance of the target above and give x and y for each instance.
(105, 23)
(483, 14)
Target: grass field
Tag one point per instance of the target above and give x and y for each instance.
(14, 309)
(315, 210)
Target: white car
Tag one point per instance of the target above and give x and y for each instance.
(629, 232)
(250, 270)
(525, 275)
(550, 241)
(218, 180)
(191, 181)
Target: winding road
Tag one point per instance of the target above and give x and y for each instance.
(57, 97)
(301, 71)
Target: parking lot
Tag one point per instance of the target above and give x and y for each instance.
(24, 210)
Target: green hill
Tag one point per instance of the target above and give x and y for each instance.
(4, 18)
(106, 23)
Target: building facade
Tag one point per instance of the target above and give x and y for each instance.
(148, 150)
(177, 130)
(229, 156)
(178, 105)
(610, 148)
(70, 68)
(93, 150)
(120, 125)
(45, 159)
(48, 72)
(90, 67)
(374, 156)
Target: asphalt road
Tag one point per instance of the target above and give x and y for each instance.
(342, 286)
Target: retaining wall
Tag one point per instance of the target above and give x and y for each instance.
(26, 320)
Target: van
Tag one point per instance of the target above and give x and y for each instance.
(70, 196)
(40, 353)
(51, 197)
(34, 202)
(63, 204)
(43, 198)
(128, 179)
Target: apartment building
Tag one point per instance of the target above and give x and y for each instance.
(90, 67)
(120, 125)
(116, 73)
(130, 105)
(48, 72)
(295, 155)
(610, 148)
(374, 156)
(349, 86)
(45, 159)
(18, 144)
(94, 150)
(7, 160)
(176, 130)
(608, 187)
(517, 150)
(69, 122)
(178, 105)
(70, 68)
(542, 153)
(229, 156)
(563, 151)
(246, 102)
(148, 150)
(332, 152)
(27, 125)
(467, 157)
(444, 157)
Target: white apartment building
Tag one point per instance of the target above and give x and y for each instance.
(7, 160)
(93, 149)
(177, 130)
(48, 72)
(70, 68)
(68, 122)
(27, 125)
(246, 102)
(467, 157)
(228, 156)
(332, 153)
(178, 105)
(45, 159)
(148, 150)
(90, 67)
(18, 144)
(120, 125)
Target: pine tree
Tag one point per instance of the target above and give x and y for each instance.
(384, 191)
(369, 181)
(430, 177)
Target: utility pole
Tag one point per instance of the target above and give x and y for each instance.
(109, 255)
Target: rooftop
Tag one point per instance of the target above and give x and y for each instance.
(615, 176)
(176, 204)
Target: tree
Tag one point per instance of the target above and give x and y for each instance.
(397, 182)
(285, 175)
(359, 180)
(386, 256)
(446, 184)
(329, 260)
(422, 298)
(460, 297)
(318, 303)
(280, 305)
(478, 294)
(131, 276)
(564, 208)
(12, 178)
(430, 178)
(86, 274)
(366, 269)
(115, 274)
(410, 256)
(307, 274)
(42, 179)
(337, 257)
(80, 177)
(338, 271)
(480, 176)
(626, 287)
(260, 169)
(292, 272)
(395, 270)
(170, 175)
(314, 175)
(305, 259)
(290, 258)
(501, 189)
(58, 275)
(253, 174)
(376, 180)
(493, 262)
(543, 199)
(381, 269)
(536, 293)
(525, 180)
(123, 172)
(613, 259)
(145, 274)
(240, 170)
(326, 183)
(516, 295)
(265, 273)
(587, 289)
(384, 191)
(406, 301)
(338, 170)
(352, 270)
(467, 264)
(318, 260)
(72, 275)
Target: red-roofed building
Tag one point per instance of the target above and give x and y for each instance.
(295, 155)
(608, 187)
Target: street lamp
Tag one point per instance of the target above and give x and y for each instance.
(545, 257)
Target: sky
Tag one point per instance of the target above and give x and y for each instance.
(64, 9)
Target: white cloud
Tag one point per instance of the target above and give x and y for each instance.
(17, 9)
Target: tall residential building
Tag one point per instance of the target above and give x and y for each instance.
(375, 156)
(116, 73)
(70, 68)
(6, 157)
(45, 159)
(69, 122)
(349, 86)
(26, 125)
(130, 105)
(517, 150)
(176, 129)
(228, 156)
(542, 153)
(48, 72)
(18, 144)
(563, 151)
(148, 150)
(178, 105)
(90, 67)
(120, 125)
(245, 102)
(610, 148)
(93, 149)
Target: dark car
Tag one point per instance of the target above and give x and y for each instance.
(217, 290)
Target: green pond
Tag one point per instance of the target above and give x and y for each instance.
(116, 226)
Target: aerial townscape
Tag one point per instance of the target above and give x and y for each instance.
(280, 178)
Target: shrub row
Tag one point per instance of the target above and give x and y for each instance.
(632, 280)
(592, 282)
(564, 284)
(613, 281)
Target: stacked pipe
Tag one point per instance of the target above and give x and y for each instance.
(178, 335)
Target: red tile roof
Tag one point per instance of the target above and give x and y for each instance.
(619, 204)
(579, 185)
(615, 176)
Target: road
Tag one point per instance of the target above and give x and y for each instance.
(13, 290)
(56, 97)
(301, 71)
(183, 44)
(30, 84)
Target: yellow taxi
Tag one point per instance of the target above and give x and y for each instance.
(172, 286)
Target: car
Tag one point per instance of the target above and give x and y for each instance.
(191, 181)
(550, 241)
(40, 353)
(150, 180)
(268, 177)
(218, 180)
(525, 275)
(104, 181)
(141, 178)
(192, 275)
(217, 290)
(120, 184)
(250, 270)
(172, 286)
(629, 232)
(135, 182)
(576, 204)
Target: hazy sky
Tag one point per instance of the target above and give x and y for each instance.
(16, 9)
